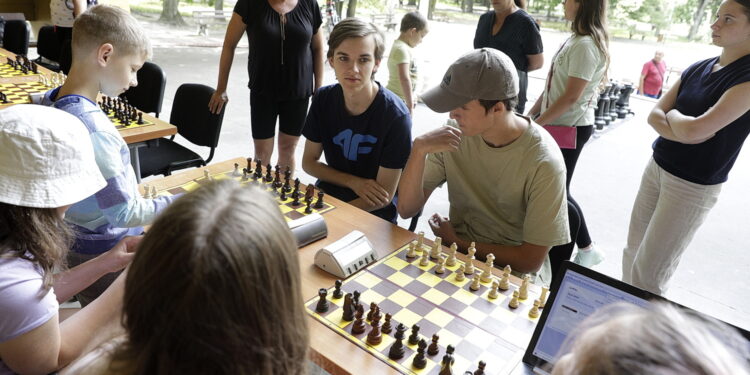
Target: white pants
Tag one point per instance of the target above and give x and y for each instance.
(666, 214)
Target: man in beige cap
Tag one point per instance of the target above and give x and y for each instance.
(505, 174)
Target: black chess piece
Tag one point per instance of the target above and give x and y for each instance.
(397, 349)
(480, 368)
(373, 308)
(244, 174)
(308, 209)
(249, 164)
(296, 185)
(269, 176)
(322, 305)
(287, 179)
(282, 194)
(355, 297)
(386, 328)
(337, 293)
(319, 203)
(434, 349)
(414, 338)
(375, 337)
(348, 308)
(447, 363)
(295, 202)
(359, 326)
(277, 178)
(258, 169)
(420, 361)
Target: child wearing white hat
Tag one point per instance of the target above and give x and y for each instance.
(47, 164)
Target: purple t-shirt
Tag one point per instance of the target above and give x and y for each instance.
(24, 304)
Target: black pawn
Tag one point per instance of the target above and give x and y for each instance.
(282, 194)
(434, 349)
(249, 164)
(348, 308)
(373, 308)
(447, 363)
(355, 297)
(337, 293)
(319, 202)
(322, 305)
(414, 338)
(287, 179)
(258, 169)
(480, 368)
(277, 178)
(295, 202)
(296, 186)
(387, 324)
(308, 209)
(420, 361)
(397, 349)
(359, 325)
(269, 171)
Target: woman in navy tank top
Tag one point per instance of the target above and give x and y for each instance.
(702, 122)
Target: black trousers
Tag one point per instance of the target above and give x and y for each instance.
(583, 239)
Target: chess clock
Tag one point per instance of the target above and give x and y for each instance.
(346, 256)
(308, 229)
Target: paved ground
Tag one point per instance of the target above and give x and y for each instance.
(711, 277)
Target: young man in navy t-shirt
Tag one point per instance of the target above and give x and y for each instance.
(363, 129)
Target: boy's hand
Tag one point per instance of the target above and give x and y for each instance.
(444, 138)
(121, 254)
(218, 99)
(370, 191)
(441, 226)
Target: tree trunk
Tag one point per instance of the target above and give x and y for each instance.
(469, 6)
(431, 9)
(698, 19)
(170, 13)
(339, 7)
(219, 4)
(351, 9)
(412, 2)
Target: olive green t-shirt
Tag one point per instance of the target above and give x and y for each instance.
(505, 195)
(400, 54)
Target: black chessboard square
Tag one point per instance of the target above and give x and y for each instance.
(459, 327)
(453, 306)
(524, 324)
(427, 328)
(420, 307)
(352, 285)
(484, 305)
(468, 349)
(385, 289)
(382, 270)
(390, 307)
(412, 271)
(416, 288)
(504, 349)
(446, 287)
(493, 326)
(407, 353)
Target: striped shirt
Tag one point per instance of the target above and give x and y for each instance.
(117, 210)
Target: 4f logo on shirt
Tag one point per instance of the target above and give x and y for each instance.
(351, 144)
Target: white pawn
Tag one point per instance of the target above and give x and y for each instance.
(493, 291)
(523, 293)
(487, 273)
(534, 312)
(436, 248)
(514, 301)
(154, 194)
(451, 261)
(146, 192)
(475, 283)
(425, 260)
(505, 280)
(412, 253)
(460, 273)
(236, 172)
(543, 297)
(470, 263)
(440, 269)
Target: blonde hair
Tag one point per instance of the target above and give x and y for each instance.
(102, 24)
(626, 339)
(215, 288)
(591, 20)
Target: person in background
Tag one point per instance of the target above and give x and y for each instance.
(508, 28)
(402, 68)
(652, 76)
(214, 289)
(625, 339)
(63, 13)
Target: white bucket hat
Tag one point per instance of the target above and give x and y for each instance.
(46, 158)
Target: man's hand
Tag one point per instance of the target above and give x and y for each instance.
(444, 138)
(121, 254)
(370, 191)
(441, 226)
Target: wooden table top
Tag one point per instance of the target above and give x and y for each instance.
(330, 351)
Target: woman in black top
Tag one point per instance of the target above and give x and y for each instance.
(285, 65)
(508, 28)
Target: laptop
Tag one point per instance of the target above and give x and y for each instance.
(576, 293)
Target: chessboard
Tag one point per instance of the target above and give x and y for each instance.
(122, 114)
(20, 67)
(286, 202)
(18, 93)
(478, 327)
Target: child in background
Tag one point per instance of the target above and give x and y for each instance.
(108, 49)
(224, 299)
(402, 70)
(46, 164)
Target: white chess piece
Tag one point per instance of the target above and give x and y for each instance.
(436, 248)
(451, 261)
(475, 283)
(440, 269)
(470, 264)
(460, 273)
(411, 253)
(146, 191)
(493, 292)
(523, 292)
(543, 297)
(420, 241)
(154, 194)
(487, 273)
(425, 260)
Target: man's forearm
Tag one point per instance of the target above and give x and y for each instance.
(518, 257)
(323, 171)
(410, 192)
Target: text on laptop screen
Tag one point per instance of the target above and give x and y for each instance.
(578, 297)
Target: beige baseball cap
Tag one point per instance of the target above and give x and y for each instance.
(484, 73)
(46, 158)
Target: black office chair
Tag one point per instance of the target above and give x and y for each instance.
(48, 48)
(149, 93)
(193, 120)
(16, 37)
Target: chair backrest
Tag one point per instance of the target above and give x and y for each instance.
(47, 43)
(191, 116)
(149, 93)
(16, 37)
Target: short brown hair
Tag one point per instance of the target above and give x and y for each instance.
(215, 289)
(355, 28)
(510, 104)
(109, 24)
(413, 20)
